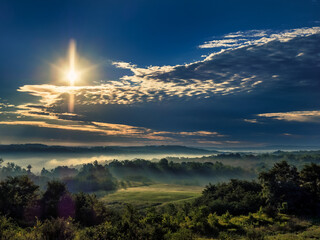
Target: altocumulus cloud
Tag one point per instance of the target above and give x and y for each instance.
(274, 59)
(241, 64)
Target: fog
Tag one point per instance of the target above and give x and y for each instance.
(51, 160)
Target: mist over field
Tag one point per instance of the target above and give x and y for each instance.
(49, 161)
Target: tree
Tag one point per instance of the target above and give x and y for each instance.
(89, 210)
(56, 229)
(92, 177)
(163, 163)
(16, 195)
(310, 180)
(45, 173)
(29, 168)
(52, 197)
(281, 188)
(237, 197)
(12, 169)
(130, 224)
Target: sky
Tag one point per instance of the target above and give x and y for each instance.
(203, 73)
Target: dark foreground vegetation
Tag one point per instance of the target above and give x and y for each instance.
(282, 200)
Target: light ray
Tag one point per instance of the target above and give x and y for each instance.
(72, 74)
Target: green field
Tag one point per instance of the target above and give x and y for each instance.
(152, 195)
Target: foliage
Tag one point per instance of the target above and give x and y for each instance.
(89, 210)
(54, 199)
(288, 191)
(310, 180)
(17, 195)
(229, 210)
(91, 177)
(187, 173)
(56, 229)
(237, 197)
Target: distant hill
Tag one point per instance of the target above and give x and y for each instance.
(41, 148)
(271, 148)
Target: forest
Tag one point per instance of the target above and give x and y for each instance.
(276, 202)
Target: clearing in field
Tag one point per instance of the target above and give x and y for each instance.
(152, 195)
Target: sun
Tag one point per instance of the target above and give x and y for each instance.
(72, 76)
(74, 70)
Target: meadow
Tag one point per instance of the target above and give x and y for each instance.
(152, 195)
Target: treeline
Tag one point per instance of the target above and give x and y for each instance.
(189, 173)
(229, 210)
(93, 177)
(257, 160)
(303, 156)
(89, 178)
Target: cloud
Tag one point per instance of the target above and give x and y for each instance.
(258, 37)
(111, 130)
(267, 60)
(271, 59)
(223, 143)
(93, 127)
(201, 134)
(5, 105)
(103, 129)
(251, 73)
(297, 116)
(251, 120)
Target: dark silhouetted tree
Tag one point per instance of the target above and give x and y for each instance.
(56, 190)
(281, 188)
(16, 195)
(89, 210)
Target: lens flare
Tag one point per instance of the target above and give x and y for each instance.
(74, 70)
(72, 74)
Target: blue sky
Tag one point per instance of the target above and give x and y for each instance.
(196, 73)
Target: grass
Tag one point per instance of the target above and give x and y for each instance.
(152, 195)
(311, 233)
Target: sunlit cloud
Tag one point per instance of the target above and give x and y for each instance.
(251, 120)
(112, 130)
(258, 37)
(221, 73)
(4, 104)
(201, 133)
(221, 143)
(105, 129)
(246, 63)
(297, 116)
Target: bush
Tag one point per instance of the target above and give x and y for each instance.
(237, 196)
(182, 234)
(255, 234)
(56, 229)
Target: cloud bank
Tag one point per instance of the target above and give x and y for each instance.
(242, 67)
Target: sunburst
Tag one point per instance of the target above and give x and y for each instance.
(72, 74)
